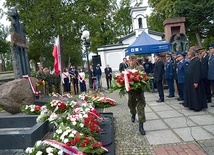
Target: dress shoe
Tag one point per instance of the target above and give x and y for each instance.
(141, 129)
(133, 118)
(160, 100)
(209, 101)
(181, 103)
(212, 105)
(170, 96)
(180, 99)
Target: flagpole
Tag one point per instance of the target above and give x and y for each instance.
(60, 64)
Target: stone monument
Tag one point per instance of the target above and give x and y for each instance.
(175, 33)
(19, 46)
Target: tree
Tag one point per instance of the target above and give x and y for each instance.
(122, 18)
(46, 19)
(4, 49)
(199, 16)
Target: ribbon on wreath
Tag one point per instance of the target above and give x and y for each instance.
(70, 150)
(90, 112)
(126, 80)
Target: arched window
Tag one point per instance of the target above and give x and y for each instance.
(140, 24)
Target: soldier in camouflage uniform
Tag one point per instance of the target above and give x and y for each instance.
(48, 83)
(40, 75)
(136, 98)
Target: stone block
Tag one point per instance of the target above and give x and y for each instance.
(20, 132)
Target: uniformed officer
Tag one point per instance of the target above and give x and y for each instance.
(181, 70)
(169, 75)
(136, 98)
(204, 73)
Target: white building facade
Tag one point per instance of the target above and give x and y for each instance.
(114, 54)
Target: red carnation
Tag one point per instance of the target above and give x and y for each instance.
(83, 144)
(73, 142)
(136, 79)
(136, 73)
(77, 139)
(37, 108)
(121, 82)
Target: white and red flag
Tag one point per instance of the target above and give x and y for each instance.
(57, 56)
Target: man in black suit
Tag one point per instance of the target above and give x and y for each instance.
(123, 65)
(158, 76)
(108, 73)
(75, 81)
(204, 73)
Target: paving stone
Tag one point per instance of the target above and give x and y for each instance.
(161, 108)
(148, 109)
(193, 133)
(155, 125)
(202, 119)
(169, 114)
(161, 137)
(186, 112)
(151, 116)
(179, 122)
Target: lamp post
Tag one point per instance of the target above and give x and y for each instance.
(86, 42)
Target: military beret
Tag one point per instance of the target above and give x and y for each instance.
(132, 56)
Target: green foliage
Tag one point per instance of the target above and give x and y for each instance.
(4, 44)
(122, 18)
(203, 10)
(199, 17)
(45, 19)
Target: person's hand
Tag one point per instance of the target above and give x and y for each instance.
(195, 85)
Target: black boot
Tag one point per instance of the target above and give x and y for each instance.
(133, 118)
(141, 129)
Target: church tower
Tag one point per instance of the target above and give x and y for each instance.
(139, 22)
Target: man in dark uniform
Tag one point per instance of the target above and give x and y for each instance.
(175, 62)
(123, 65)
(195, 97)
(169, 75)
(158, 76)
(204, 73)
(136, 98)
(92, 77)
(75, 74)
(210, 68)
(98, 74)
(181, 71)
(108, 73)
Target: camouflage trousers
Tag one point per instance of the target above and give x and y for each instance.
(136, 100)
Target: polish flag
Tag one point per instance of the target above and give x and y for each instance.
(57, 56)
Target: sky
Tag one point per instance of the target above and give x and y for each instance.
(3, 20)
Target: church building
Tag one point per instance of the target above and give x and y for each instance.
(113, 54)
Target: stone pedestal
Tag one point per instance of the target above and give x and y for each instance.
(174, 26)
(20, 132)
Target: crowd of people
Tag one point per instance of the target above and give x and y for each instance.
(191, 74)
